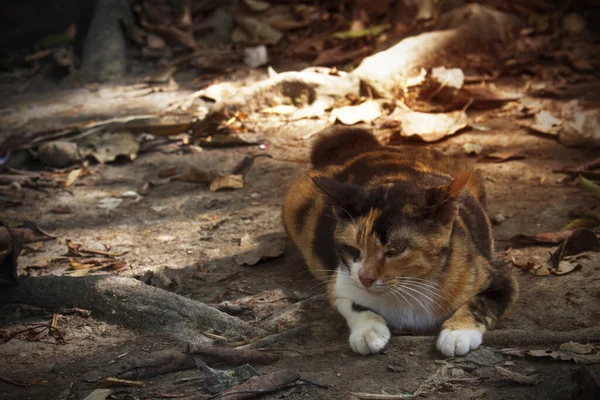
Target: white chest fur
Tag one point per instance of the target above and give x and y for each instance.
(409, 310)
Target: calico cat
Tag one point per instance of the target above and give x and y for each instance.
(402, 238)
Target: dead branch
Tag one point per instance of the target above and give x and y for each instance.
(158, 364)
(131, 303)
(232, 356)
(518, 337)
(278, 337)
(259, 385)
(375, 396)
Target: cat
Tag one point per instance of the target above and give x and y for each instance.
(402, 239)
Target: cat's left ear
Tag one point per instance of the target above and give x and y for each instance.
(343, 194)
(443, 200)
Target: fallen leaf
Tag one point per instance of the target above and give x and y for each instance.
(473, 148)
(545, 122)
(339, 55)
(589, 186)
(155, 42)
(109, 204)
(167, 172)
(432, 127)
(501, 156)
(99, 394)
(106, 147)
(566, 356)
(61, 209)
(566, 266)
(375, 30)
(257, 6)
(217, 380)
(72, 177)
(516, 377)
(261, 385)
(350, 115)
(483, 97)
(540, 238)
(227, 182)
(281, 109)
(255, 252)
(583, 222)
(30, 231)
(576, 348)
(579, 241)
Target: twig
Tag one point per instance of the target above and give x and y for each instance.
(575, 172)
(374, 396)
(277, 337)
(121, 382)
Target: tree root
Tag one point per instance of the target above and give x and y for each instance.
(519, 337)
(131, 303)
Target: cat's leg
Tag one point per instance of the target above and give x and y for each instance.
(464, 330)
(369, 332)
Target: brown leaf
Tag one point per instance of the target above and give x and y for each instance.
(338, 55)
(227, 182)
(259, 385)
(30, 231)
(579, 241)
(167, 172)
(432, 127)
(72, 177)
(61, 209)
(516, 377)
(350, 115)
(256, 252)
(540, 238)
(501, 156)
(233, 356)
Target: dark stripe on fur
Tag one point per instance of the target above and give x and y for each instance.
(476, 222)
(495, 299)
(302, 213)
(323, 243)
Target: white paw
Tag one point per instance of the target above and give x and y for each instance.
(369, 333)
(458, 343)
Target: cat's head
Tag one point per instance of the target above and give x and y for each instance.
(394, 230)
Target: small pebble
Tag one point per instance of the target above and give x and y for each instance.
(498, 219)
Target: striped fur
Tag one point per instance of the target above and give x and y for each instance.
(403, 239)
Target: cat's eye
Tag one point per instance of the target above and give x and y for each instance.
(394, 252)
(351, 251)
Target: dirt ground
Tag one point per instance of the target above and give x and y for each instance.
(184, 228)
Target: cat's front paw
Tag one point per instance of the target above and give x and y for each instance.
(459, 342)
(369, 334)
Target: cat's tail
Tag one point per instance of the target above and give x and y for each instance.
(337, 144)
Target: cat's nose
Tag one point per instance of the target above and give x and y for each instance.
(366, 279)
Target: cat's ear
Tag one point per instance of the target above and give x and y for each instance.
(345, 195)
(443, 200)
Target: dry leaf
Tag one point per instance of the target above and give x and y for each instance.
(72, 177)
(350, 115)
(255, 252)
(473, 148)
(517, 377)
(432, 127)
(540, 238)
(227, 182)
(501, 156)
(545, 122)
(577, 348)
